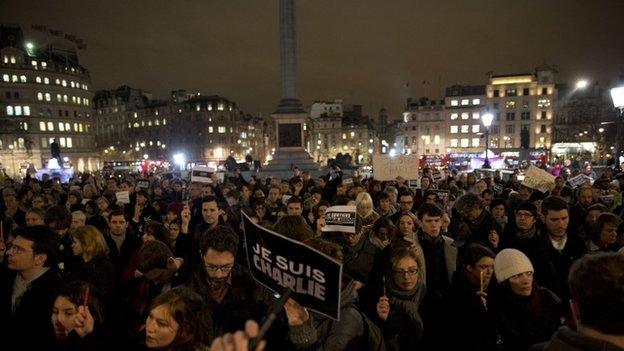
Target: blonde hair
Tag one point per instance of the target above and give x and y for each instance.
(364, 198)
(91, 240)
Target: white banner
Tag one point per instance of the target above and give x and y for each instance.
(386, 167)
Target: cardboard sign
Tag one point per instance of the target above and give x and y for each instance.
(340, 219)
(579, 180)
(201, 175)
(276, 262)
(538, 179)
(123, 197)
(386, 167)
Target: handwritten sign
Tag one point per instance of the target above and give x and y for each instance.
(538, 179)
(123, 197)
(386, 167)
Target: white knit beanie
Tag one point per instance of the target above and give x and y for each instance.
(510, 262)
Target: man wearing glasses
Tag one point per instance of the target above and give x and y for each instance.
(232, 296)
(525, 228)
(27, 289)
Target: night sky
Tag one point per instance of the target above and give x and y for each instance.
(362, 51)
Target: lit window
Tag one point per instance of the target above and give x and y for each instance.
(543, 103)
(62, 142)
(221, 129)
(454, 116)
(197, 107)
(136, 124)
(13, 59)
(453, 142)
(344, 136)
(34, 63)
(50, 126)
(42, 126)
(220, 107)
(209, 107)
(157, 122)
(18, 110)
(47, 97)
(26, 110)
(464, 115)
(436, 139)
(80, 127)
(464, 142)
(57, 81)
(475, 142)
(475, 115)
(454, 129)
(454, 103)
(39, 96)
(14, 78)
(6, 78)
(24, 125)
(69, 142)
(74, 99)
(475, 128)
(510, 104)
(44, 64)
(61, 126)
(476, 101)
(210, 129)
(464, 128)
(75, 127)
(46, 80)
(64, 98)
(67, 126)
(164, 121)
(71, 84)
(38, 79)
(59, 97)
(20, 143)
(9, 110)
(464, 102)
(64, 83)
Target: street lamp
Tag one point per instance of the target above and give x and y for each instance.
(487, 122)
(581, 84)
(617, 95)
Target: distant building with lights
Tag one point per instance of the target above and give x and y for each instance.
(203, 128)
(44, 95)
(424, 127)
(464, 105)
(336, 128)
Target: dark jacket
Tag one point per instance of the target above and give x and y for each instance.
(245, 299)
(121, 257)
(480, 229)
(99, 272)
(566, 339)
(403, 327)
(323, 333)
(19, 330)
(524, 321)
(552, 266)
(473, 325)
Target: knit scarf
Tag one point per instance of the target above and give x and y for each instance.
(406, 300)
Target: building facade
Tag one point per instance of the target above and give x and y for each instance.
(203, 128)
(424, 127)
(44, 95)
(522, 102)
(464, 105)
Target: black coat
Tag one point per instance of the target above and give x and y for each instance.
(403, 328)
(552, 266)
(566, 339)
(524, 321)
(99, 272)
(19, 330)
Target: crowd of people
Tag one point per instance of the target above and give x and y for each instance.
(462, 262)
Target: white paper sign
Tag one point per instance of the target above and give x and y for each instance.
(340, 219)
(123, 197)
(201, 175)
(386, 167)
(579, 180)
(538, 179)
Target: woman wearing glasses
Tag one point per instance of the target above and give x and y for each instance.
(397, 309)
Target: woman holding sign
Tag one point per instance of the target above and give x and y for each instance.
(397, 308)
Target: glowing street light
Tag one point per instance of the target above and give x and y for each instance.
(617, 95)
(582, 84)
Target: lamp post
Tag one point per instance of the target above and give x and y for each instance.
(617, 95)
(487, 122)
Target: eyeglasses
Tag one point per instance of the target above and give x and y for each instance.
(214, 268)
(524, 215)
(410, 272)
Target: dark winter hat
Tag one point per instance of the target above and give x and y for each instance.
(527, 206)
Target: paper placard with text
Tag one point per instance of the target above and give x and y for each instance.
(386, 167)
(539, 179)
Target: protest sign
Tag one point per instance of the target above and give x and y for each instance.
(340, 219)
(123, 197)
(278, 262)
(285, 199)
(607, 199)
(413, 183)
(201, 175)
(538, 179)
(579, 180)
(442, 195)
(498, 188)
(143, 184)
(347, 181)
(437, 176)
(386, 167)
